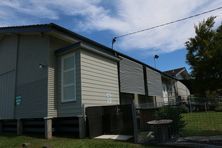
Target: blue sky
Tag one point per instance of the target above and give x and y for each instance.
(101, 20)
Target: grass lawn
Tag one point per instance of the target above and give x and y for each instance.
(202, 124)
(11, 141)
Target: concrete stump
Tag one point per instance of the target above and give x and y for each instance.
(19, 127)
(48, 128)
(82, 125)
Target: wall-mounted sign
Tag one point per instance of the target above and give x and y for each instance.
(18, 100)
(108, 97)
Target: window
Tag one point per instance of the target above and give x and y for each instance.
(68, 78)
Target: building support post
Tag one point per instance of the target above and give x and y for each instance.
(135, 127)
(136, 100)
(1, 128)
(155, 102)
(19, 127)
(82, 123)
(48, 128)
(82, 126)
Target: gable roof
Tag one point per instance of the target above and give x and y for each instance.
(177, 71)
(174, 72)
(51, 27)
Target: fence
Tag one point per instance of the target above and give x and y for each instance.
(203, 103)
(117, 119)
(200, 118)
(155, 105)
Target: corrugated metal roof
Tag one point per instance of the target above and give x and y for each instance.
(27, 28)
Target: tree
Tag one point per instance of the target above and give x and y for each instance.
(204, 55)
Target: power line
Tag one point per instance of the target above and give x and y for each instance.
(165, 24)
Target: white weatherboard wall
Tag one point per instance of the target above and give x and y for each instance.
(183, 91)
(165, 93)
(99, 80)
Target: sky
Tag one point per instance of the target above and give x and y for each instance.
(101, 20)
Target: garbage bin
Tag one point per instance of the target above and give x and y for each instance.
(161, 129)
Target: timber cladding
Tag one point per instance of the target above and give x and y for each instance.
(154, 83)
(99, 80)
(131, 77)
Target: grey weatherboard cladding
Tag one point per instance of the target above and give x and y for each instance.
(20, 56)
(131, 77)
(31, 80)
(8, 51)
(7, 95)
(154, 83)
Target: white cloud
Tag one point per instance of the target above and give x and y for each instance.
(136, 15)
(124, 16)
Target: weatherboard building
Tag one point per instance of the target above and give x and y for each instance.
(49, 75)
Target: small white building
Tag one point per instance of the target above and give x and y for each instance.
(182, 91)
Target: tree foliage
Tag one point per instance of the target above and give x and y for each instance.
(173, 113)
(204, 55)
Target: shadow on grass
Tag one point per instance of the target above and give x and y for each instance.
(194, 132)
(13, 135)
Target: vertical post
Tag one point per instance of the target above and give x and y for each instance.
(135, 129)
(136, 99)
(190, 104)
(82, 123)
(1, 127)
(145, 81)
(82, 127)
(19, 127)
(48, 128)
(155, 102)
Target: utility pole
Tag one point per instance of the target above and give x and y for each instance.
(113, 41)
(155, 58)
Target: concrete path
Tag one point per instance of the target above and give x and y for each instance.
(115, 137)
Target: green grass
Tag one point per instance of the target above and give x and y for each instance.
(12, 141)
(202, 124)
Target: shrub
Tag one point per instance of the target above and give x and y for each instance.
(173, 113)
(183, 108)
(218, 108)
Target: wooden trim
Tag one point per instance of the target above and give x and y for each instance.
(145, 80)
(118, 69)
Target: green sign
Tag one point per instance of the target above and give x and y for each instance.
(18, 100)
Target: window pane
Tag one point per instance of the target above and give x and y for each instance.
(69, 93)
(68, 77)
(68, 63)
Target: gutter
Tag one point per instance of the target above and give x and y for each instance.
(80, 45)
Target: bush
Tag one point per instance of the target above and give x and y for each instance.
(173, 113)
(218, 108)
(184, 109)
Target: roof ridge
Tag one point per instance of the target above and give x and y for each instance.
(28, 25)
